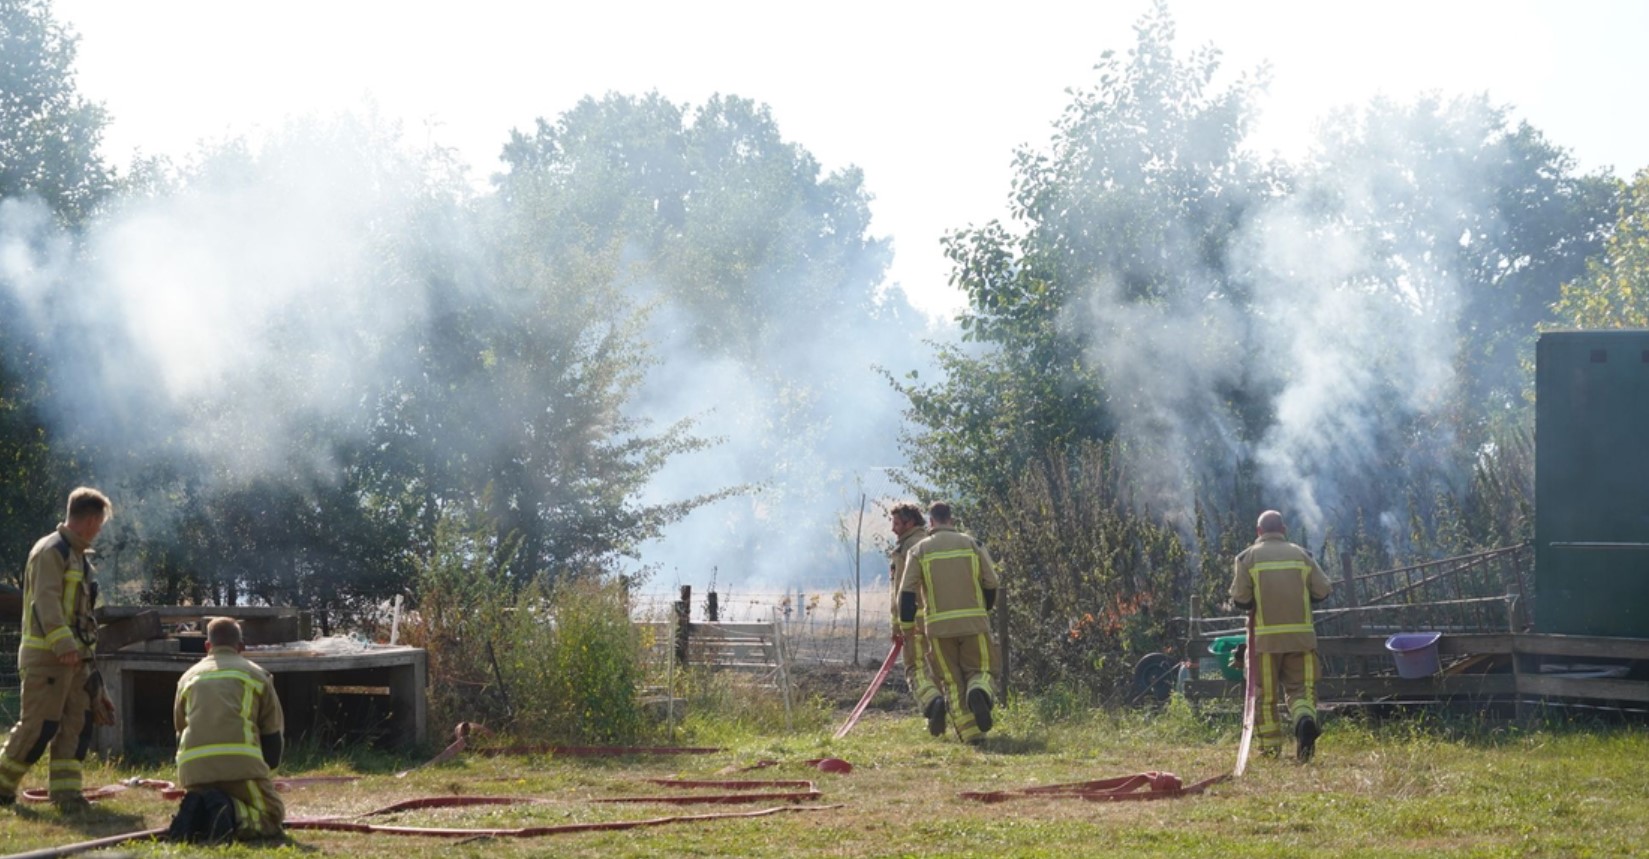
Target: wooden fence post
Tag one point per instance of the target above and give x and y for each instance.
(1348, 582)
(684, 614)
(1001, 609)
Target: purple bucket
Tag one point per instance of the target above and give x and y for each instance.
(1415, 653)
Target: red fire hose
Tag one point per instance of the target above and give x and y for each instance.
(875, 684)
(1156, 785)
(462, 731)
(1249, 707)
(331, 825)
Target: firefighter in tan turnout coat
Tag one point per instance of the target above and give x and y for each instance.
(952, 576)
(61, 692)
(909, 528)
(1278, 582)
(229, 725)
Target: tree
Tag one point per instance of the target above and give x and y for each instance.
(48, 133)
(1614, 290)
(1091, 318)
(48, 142)
(764, 294)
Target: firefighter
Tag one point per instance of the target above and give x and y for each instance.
(229, 726)
(62, 694)
(1278, 583)
(951, 575)
(909, 528)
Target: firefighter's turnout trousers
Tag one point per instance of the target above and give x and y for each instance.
(919, 664)
(58, 598)
(1296, 675)
(963, 663)
(919, 669)
(55, 718)
(259, 811)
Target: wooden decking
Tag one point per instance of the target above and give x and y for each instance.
(1475, 666)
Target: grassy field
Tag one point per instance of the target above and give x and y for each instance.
(1397, 790)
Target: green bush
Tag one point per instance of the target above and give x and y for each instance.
(575, 664)
(544, 664)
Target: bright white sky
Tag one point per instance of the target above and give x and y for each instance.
(930, 99)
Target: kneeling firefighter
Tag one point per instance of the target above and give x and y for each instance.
(229, 726)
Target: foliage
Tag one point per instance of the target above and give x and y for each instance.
(459, 615)
(1095, 580)
(48, 142)
(48, 133)
(556, 664)
(575, 664)
(1614, 290)
(1174, 335)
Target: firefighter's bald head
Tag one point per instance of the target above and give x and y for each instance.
(1271, 522)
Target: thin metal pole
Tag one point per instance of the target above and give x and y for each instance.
(858, 599)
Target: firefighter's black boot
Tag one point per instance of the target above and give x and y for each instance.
(979, 702)
(1305, 738)
(936, 716)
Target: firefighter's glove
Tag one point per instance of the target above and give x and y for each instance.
(103, 709)
(1239, 657)
(102, 706)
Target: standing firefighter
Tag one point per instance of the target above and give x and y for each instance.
(60, 687)
(951, 575)
(229, 724)
(1278, 582)
(908, 530)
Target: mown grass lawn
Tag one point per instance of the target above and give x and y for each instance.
(1398, 790)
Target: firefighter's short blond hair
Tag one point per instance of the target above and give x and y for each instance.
(223, 632)
(85, 501)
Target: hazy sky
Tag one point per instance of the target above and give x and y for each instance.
(930, 99)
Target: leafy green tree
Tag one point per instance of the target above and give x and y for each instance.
(1614, 290)
(763, 288)
(48, 133)
(1126, 221)
(48, 142)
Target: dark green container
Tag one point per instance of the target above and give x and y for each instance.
(1592, 483)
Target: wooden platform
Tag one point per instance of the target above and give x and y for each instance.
(1359, 669)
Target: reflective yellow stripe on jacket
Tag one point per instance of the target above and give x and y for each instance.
(71, 587)
(1260, 626)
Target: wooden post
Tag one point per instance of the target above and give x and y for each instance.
(1191, 637)
(1519, 709)
(712, 608)
(1348, 583)
(1001, 609)
(780, 658)
(684, 614)
(1521, 619)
